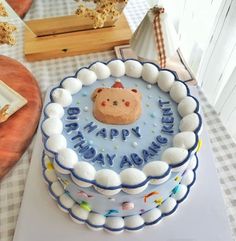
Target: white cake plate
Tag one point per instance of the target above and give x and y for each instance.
(201, 217)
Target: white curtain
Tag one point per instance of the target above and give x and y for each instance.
(207, 32)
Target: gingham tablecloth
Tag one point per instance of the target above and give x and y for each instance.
(51, 71)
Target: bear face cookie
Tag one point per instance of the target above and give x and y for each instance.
(116, 105)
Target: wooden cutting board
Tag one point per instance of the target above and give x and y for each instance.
(16, 133)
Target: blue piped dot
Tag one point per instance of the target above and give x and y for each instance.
(84, 94)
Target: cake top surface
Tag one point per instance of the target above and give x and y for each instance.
(120, 125)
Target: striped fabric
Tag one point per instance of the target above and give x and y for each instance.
(159, 36)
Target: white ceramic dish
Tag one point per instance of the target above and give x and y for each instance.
(10, 97)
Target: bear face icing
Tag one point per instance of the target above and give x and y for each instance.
(116, 105)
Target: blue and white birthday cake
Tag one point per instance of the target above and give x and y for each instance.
(120, 143)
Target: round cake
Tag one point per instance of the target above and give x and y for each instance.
(120, 143)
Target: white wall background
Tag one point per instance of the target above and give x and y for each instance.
(207, 32)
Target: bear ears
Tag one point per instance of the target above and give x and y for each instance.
(99, 90)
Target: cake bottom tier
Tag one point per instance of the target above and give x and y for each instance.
(81, 211)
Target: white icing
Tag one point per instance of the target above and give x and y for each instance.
(150, 73)
(62, 97)
(117, 68)
(181, 192)
(101, 70)
(133, 68)
(189, 122)
(57, 189)
(152, 215)
(114, 222)
(181, 168)
(46, 161)
(168, 205)
(52, 126)
(133, 176)
(186, 139)
(56, 142)
(96, 219)
(79, 212)
(73, 85)
(187, 106)
(192, 163)
(174, 155)
(50, 175)
(84, 170)
(165, 80)
(108, 178)
(188, 177)
(178, 91)
(133, 221)
(87, 76)
(66, 201)
(54, 110)
(156, 168)
(67, 158)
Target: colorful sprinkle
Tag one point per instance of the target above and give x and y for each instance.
(177, 179)
(175, 189)
(116, 147)
(102, 150)
(134, 144)
(112, 199)
(91, 142)
(83, 194)
(147, 105)
(149, 96)
(199, 145)
(149, 87)
(149, 195)
(86, 108)
(85, 206)
(159, 201)
(155, 124)
(77, 102)
(84, 94)
(110, 212)
(153, 115)
(127, 206)
(50, 166)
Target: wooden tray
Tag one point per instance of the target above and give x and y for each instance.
(73, 43)
(16, 133)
